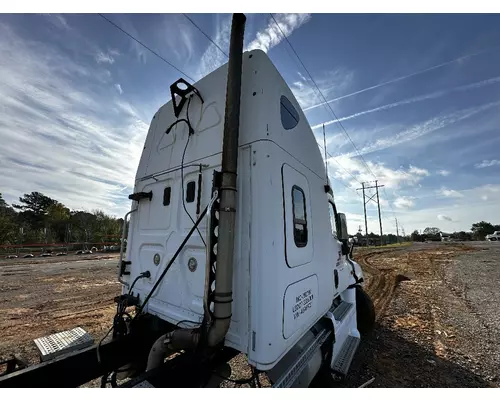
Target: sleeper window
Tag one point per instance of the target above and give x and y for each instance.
(190, 191)
(299, 217)
(289, 115)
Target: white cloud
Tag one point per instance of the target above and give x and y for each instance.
(213, 58)
(176, 36)
(444, 172)
(57, 20)
(102, 57)
(461, 211)
(330, 83)
(119, 88)
(271, 36)
(264, 39)
(404, 202)
(63, 132)
(449, 193)
(484, 197)
(487, 163)
(342, 167)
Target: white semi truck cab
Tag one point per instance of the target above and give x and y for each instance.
(290, 272)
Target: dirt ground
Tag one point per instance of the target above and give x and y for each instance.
(39, 297)
(438, 320)
(437, 317)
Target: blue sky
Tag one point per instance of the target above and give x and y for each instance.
(419, 95)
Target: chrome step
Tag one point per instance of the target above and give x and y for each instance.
(342, 310)
(343, 360)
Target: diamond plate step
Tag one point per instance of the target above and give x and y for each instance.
(143, 384)
(342, 310)
(344, 358)
(63, 342)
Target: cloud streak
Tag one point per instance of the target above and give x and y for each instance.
(271, 36)
(487, 163)
(333, 81)
(425, 128)
(264, 40)
(460, 59)
(430, 96)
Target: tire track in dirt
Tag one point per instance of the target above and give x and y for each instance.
(382, 281)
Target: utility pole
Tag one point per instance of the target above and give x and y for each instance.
(379, 217)
(366, 221)
(397, 230)
(363, 188)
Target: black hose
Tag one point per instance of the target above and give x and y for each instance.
(182, 172)
(145, 274)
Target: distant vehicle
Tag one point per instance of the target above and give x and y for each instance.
(11, 256)
(494, 236)
(61, 254)
(79, 252)
(28, 256)
(46, 255)
(93, 249)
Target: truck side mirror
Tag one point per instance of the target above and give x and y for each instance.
(343, 235)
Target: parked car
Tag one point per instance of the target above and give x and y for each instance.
(494, 236)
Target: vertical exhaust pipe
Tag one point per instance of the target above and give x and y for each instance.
(225, 248)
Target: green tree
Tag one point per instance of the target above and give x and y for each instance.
(416, 237)
(8, 223)
(432, 231)
(58, 216)
(481, 229)
(34, 208)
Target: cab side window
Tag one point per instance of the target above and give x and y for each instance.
(299, 217)
(333, 219)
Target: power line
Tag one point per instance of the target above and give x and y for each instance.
(146, 47)
(390, 204)
(339, 164)
(208, 37)
(324, 99)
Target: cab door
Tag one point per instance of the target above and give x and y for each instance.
(297, 217)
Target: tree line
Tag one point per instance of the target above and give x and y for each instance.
(478, 231)
(38, 219)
